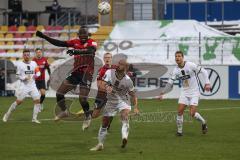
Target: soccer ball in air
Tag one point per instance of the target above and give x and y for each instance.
(104, 8)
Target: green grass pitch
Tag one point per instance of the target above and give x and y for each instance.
(22, 140)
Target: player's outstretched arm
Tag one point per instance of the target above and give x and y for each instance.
(207, 86)
(134, 100)
(85, 51)
(52, 40)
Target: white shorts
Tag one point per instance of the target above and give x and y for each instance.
(111, 109)
(189, 101)
(24, 91)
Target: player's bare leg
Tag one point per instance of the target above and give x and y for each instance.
(102, 134)
(83, 99)
(36, 110)
(11, 109)
(65, 87)
(181, 108)
(197, 116)
(125, 126)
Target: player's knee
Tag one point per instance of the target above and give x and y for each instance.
(18, 102)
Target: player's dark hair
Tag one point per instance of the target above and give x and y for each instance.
(179, 52)
(26, 50)
(38, 49)
(83, 31)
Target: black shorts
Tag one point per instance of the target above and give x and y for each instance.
(41, 84)
(80, 78)
(100, 100)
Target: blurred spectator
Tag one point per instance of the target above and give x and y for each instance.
(132, 73)
(2, 79)
(55, 9)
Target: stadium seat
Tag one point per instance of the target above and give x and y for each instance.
(21, 29)
(67, 27)
(31, 28)
(2, 51)
(54, 34)
(1, 35)
(10, 43)
(40, 27)
(2, 43)
(12, 29)
(49, 28)
(58, 28)
(19, 43)
(37, 43)
(29, 43)
(9, 35)
(63, 35)
(27, 35)
(76, 27)
(17, 35)
(73, 35)
(4, 29)
(10, 51)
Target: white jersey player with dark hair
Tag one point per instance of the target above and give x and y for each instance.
(118, 87)
(187, 73)
(27, 72)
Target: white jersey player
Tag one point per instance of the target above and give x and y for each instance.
(187, 72)
(27, 71)
(118, 87)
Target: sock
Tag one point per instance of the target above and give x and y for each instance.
(61, 101)
(125, 129)
(12, 108)
(179, 123)
(85, 107)
(36, 110)
(198, 117)
(102, 135)
(42, 98)
(110, 121)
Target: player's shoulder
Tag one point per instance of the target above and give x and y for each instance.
(92, 42)
(127, 77)
(188, 63)
(33, 63)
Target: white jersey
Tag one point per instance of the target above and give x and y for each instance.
(25, 70)
(188, 77)
(121, 88)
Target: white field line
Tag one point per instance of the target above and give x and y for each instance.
(206, 109)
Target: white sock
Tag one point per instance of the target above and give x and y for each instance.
(102, 135)
(125, 129)
(179, 123)
(12, 108)
(198, 117)
(36, 110)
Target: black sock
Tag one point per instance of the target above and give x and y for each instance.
(110, 121)
(61, 101)
(42, 98)
(85, 107)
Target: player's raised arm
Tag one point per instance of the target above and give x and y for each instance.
(169, 85)
(52, 40)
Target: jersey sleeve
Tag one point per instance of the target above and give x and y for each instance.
(93, 43)
(107, 76)
(130, 86)
(172, 77)
(194, 67)
(70, 43)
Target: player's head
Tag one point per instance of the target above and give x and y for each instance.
(83, 34)
(26, 55)
(122, 65)
(107, 58)
(38, 53)
(179, 57)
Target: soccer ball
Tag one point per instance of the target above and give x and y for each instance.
(104, 8)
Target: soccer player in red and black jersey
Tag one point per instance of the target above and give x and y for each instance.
(101, 97)
(43, 65)
(84, 49)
